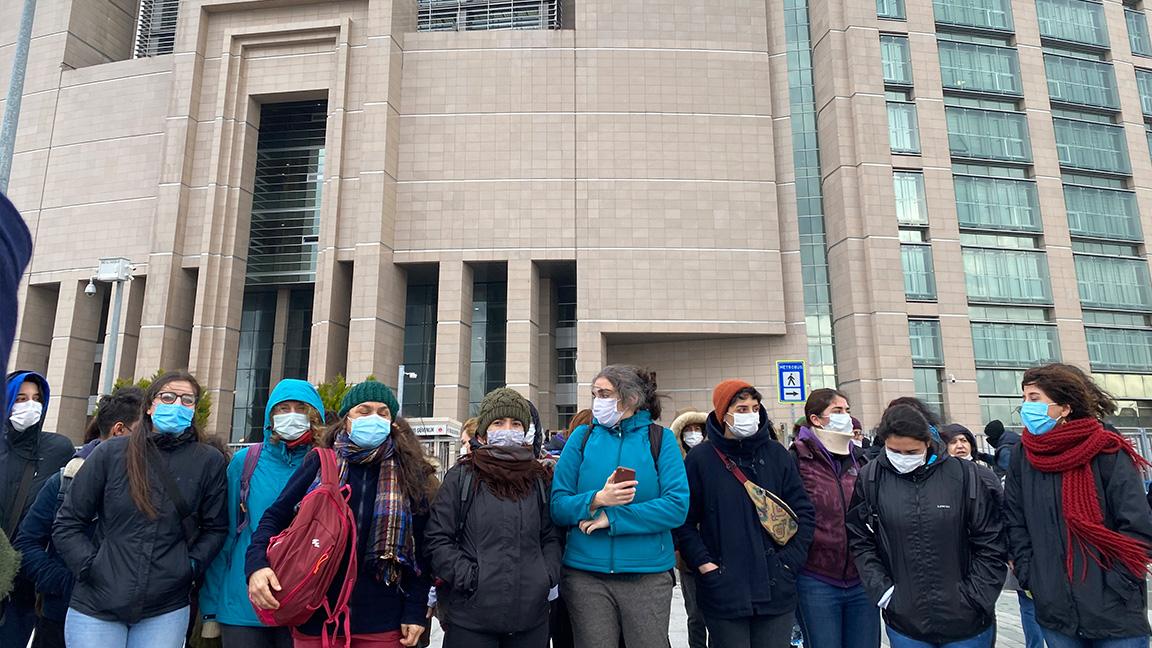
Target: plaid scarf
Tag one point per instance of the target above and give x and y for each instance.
(391, 545)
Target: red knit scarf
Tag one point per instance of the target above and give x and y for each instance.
(1069, 449)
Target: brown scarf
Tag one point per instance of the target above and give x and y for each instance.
(510, 472)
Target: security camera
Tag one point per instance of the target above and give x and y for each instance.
(90, 289)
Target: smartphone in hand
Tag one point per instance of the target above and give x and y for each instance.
(623, 474)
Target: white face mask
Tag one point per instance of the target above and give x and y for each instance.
(290, 426)
(841, 423)
(507, 437)
(693, 439)
(605, 412)
(903, 463)
(25, 415)
(745, 425)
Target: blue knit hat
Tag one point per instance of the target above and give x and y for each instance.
(369, 391)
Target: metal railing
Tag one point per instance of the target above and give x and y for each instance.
(485, 15)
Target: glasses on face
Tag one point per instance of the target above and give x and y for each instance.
(168, 398)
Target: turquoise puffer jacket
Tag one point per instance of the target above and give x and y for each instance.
(639, 537)
(225, 591)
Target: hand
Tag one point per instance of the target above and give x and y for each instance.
(410, 634)
(261, 584)
(708, 567)
(598, 522)
(431, 611)
(615, 494)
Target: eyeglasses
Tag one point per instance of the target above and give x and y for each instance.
(168, 398)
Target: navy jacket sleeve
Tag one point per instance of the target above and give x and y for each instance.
(689, 542)
(15, 251)
(46, 570)
(279, 516)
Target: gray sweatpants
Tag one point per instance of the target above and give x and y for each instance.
(603, 605)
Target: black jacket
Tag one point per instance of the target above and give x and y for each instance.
(937, 535)
(1103, 604)
(374, 605)
(496, 576)
(756, 576)
(137, 568)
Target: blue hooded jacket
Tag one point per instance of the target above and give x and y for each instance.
(639, 537)
(12, 388)
(225, 591)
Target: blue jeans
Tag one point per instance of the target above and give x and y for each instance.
(1033, 634)
(1057, 640)
(164, 631)
(982, 640)
(835, 617)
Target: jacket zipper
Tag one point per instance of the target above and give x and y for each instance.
(612, 538)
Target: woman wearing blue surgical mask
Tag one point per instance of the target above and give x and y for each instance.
(1078, 523)
(256, 477)
(391, 485)
(491, 541)
(619, 557)
(928, 540)
(158, 501)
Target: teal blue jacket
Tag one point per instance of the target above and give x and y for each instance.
(225, 591)
(639, 537)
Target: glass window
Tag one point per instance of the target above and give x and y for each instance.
(420, 340)
(911, 205)
(903, 131)
(156, 27)
(1102, 213)
(1075, 21)
(1109, 249)
(985, 134)
(1138, 38)
(926, 348)
(979, 68)
(1091, 146)
(1144, 82)
(1008, 314)
(1007, 276)
(1110, 283)
(999, 241)
(997, 203)
(1081, 82)
(897, 59)
(929, 389)
(566, 365)
(1014, 345)
(890, 9)
(1110, 318)
(489, 331)
(982, 14)
(1119, 349)
(919, 282)
(455, 15)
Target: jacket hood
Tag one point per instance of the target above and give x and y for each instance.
(295, 390)
(19, 377)
(686, 419)
(87, 448)
(714, 430)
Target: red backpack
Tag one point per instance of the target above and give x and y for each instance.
(307, 555)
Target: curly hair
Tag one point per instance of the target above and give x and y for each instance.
(1069, 386)
(636, 387)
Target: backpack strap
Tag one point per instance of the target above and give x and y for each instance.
(655, 443)
(251, 457)
(465, 503)
(67, 473)
(329, 471)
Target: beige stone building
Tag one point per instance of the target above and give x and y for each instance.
(913, 196)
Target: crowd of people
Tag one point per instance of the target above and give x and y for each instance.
(341, 533)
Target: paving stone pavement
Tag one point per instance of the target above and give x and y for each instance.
(1009, 633)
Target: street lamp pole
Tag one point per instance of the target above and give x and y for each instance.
(116, 271)
(15, 93)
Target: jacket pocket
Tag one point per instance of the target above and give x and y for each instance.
(1127, 589)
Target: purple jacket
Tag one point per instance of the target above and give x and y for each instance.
(829, 483)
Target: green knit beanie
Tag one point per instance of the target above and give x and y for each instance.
(503, 403)
(369, 391)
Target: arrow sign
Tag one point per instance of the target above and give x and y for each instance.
(790, 380)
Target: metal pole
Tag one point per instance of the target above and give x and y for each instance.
(112, 338)
(400, 389)
(15, 93)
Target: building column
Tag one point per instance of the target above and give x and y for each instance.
(522, 370)
(33, 343)
(72, 358)
(453, 340)
(279, 336)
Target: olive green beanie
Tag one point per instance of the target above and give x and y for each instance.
(503, 403)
